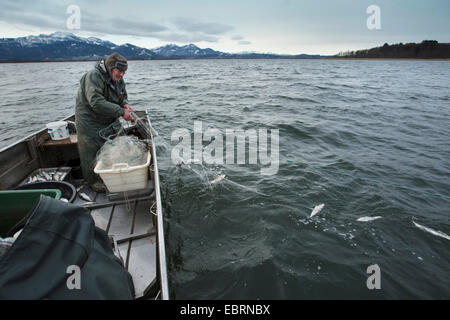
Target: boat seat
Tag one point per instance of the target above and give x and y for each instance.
(43, 142)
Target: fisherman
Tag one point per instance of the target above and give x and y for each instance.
(101, 100)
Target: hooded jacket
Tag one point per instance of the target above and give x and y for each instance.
(99, 101)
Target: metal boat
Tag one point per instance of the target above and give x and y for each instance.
(132, 219)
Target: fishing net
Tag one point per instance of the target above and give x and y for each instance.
(112, 131)
(122, 149)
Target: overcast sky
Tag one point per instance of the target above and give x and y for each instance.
(277, 26)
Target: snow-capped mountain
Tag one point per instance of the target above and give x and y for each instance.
(191, 50)
(64, 46)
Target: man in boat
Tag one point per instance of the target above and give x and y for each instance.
(101, 100)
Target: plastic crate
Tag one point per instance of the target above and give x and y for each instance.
(122, 177)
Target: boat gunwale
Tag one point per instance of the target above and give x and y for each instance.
(164, 287)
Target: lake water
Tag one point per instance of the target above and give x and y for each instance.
(365, 138)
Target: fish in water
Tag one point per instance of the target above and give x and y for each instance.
(317, 209)
(218, 179)
(368, 219)
(84, 196)
(192, 161)
(433, 232)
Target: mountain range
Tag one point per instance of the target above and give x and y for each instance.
(63, 46)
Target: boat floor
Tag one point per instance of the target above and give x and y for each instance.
(129, 222)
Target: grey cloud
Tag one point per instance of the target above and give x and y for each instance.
(89, 22)
(119, 26)
(237, 37)
(145, 26)
(35, 20)
(53, 15)
(245, 42)
(26, 12)
(187, 38)
(191, 25)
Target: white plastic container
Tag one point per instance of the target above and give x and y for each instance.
(58, 130)
(123, 177)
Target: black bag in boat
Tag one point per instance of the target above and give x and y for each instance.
(60, 254)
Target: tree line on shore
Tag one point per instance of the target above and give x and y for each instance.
(427, 49)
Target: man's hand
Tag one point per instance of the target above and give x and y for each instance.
(127, 115)
(128, 107)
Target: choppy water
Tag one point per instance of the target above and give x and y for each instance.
(366, 138)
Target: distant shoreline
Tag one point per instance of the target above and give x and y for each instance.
(66, 47)
(164, 59)
(172, 59)
(427, 50)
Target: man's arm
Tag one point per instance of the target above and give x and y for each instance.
(127, 114)
(128, 109)
(125, 104)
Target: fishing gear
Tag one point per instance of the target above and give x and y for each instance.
(143, 128)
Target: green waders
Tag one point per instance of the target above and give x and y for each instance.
(89, 142)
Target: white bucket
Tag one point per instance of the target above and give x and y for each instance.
(58, 130)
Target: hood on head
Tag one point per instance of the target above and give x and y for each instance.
(115, 60)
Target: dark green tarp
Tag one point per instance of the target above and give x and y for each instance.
(56, 237)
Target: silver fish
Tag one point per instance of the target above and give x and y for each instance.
(84, 196)
(187, 162)
(88, 203)
(317, 210)
(17, 234)
(218, 179)
(46, 176)
(433, 232)
(192, 161)
(368, 219)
